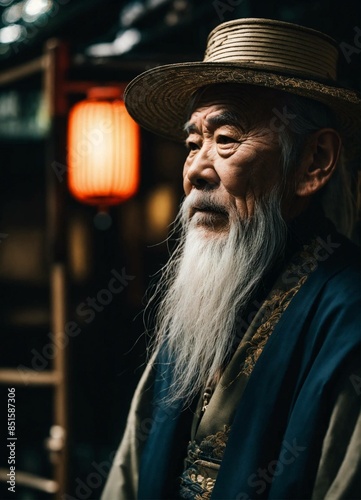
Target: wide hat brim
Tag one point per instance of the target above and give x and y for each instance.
(158, 99)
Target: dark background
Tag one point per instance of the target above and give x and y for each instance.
(106, 358)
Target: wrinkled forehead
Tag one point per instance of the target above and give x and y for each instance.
(250, 103)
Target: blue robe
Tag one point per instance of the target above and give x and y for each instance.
(277, 435)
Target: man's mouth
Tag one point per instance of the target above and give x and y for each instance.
(209, 215)
(208, 208)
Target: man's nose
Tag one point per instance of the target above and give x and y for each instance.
(200, 172)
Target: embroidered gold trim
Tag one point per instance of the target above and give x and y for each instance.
(275, 306)
(204, 467)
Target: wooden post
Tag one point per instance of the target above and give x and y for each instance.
(55, 78)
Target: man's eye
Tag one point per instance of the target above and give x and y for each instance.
(225, 139)
(192, 146)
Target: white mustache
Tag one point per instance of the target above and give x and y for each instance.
(204, 201)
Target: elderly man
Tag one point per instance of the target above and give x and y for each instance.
(253, 389)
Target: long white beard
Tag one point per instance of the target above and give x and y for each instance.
(207, 281)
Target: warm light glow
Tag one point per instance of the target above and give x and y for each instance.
(103, 151)
(160, 212)
(80, 249)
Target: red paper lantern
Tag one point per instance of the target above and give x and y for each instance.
(103, 149)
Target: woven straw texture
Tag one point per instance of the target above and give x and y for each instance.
(259, 52)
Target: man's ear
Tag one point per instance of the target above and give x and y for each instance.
(318, 162)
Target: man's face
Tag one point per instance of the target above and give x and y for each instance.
(232, 233)
(233, 154)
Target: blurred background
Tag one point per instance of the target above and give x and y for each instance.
(75, 263)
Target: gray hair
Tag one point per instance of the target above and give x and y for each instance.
(307, 116)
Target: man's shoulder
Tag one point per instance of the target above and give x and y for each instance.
(345, 262)
(335, 312)
(327, 305)
(339, 261)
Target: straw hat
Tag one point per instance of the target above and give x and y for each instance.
(261, 52)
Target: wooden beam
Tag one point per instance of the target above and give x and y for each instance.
(30, 480)
(25, 376)
(13, 74)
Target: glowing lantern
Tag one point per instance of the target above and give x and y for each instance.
(103, 149)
